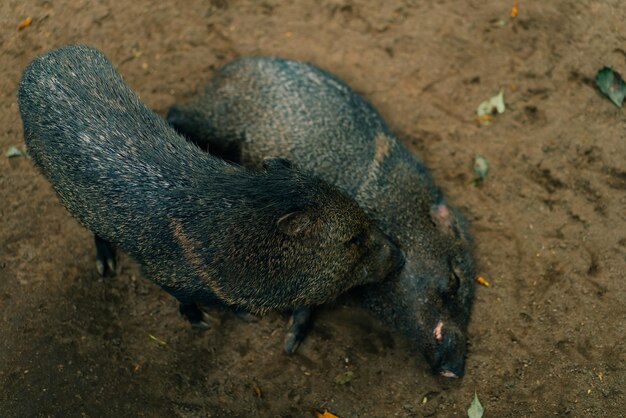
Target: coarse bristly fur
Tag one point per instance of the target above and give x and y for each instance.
(260, 106)
(200, 227)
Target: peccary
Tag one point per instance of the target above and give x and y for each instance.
(258, 107)
(201, 228)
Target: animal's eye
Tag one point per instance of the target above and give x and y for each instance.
(358, 239)
(454, 281)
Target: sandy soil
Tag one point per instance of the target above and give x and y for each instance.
(549, 222)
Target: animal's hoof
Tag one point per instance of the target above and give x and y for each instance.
(200, 326)
(105, 258)
(105, 266)
(247, 317)
(292, 342)
(100, 267)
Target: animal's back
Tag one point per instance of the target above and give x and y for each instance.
(93, 138)
(271, 104)
(262, 107)
(277, 107)
(200, 227)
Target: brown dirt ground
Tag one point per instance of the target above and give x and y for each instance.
(547, 337)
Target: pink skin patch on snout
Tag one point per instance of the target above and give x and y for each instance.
(447, 373)
(443, 211)
(437, 332)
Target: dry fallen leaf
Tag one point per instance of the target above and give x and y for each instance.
(325, 414)
(481, 168)
(152, 337)
(344, 378)
(515, 9)
(612, 85)
(13, 152)
(25, 23)
(475, 410)
(484, 119)
(481, 280)
(490, 107)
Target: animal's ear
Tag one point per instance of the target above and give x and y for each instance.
(294, 223)
(441, 216)
(444, 219)
(272, 163)
(179, 119)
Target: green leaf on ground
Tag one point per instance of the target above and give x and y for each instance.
(13, 152)
(481, 168)
(611, 84)
(490, 107)
(344, 378)
(475, 410)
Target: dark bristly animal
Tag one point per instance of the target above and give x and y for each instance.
(258, 107)
(201, 228)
